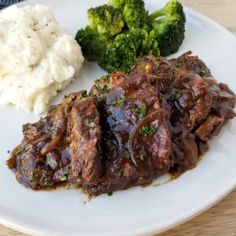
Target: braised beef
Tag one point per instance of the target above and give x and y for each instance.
(130, 128)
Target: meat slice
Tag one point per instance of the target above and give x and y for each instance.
(104, 84)
(136, 139)
(42, 158)
(49, 152)
(150, 138)
(223, 100)
(210, 127)
(188, 101)
(191, 64)
(159, 71)
(85, 138)
(184, 153)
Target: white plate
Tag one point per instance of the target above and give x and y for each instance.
(137, 211)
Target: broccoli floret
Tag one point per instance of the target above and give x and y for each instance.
(127, 47)
(117, 3)
(134, 13)
(122, 31)
(119, 54)
(169, 27)
(92, 43)
(149, 46)
(105, 20)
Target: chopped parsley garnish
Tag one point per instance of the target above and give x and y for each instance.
(148, 130)
(203, 72)
(141, 110)
(135, 109)
(177, 66)
(79, 97)
(64, 177)
(63, 174)
(18, 151)
(125, 154)
(102, 83)
(109, 194)
(120, 101)
(106, 78)
(175, 95)
(66, 111)
(35, 175)
(118, 173)
(113, 103)
(141, 157)
(102, 87)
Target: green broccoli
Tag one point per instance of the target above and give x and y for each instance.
(133, 11)
(105, 20)
(122, 31)
(168, 27)
(149, 45)
(126, 48)
(92, 43)
(117, 3)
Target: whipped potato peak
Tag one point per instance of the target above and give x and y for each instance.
(38, 57)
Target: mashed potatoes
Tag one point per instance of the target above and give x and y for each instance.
(38, 58)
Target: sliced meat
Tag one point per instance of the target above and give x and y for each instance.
(188, 101)
(191, 64)
(159, 71)
(184, 154)
(130, 158)
(210, 127)
(85, 138)
(150, 140)
(103, 85)
(43, 158)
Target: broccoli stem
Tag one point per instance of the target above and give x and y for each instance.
(157, 14)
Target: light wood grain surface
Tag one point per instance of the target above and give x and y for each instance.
(220, 219)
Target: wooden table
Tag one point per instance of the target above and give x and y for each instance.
(220, 219)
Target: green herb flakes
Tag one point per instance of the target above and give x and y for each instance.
(141, 110)
(114, 103)
(104, 88)
(125, 154)
(118, 173)
(18, 151)
(148, 130)
(175, 95)
(64, 178)
(141, 157)
(203, 72)
(79, 97)
(102, 83)
(120, 101)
